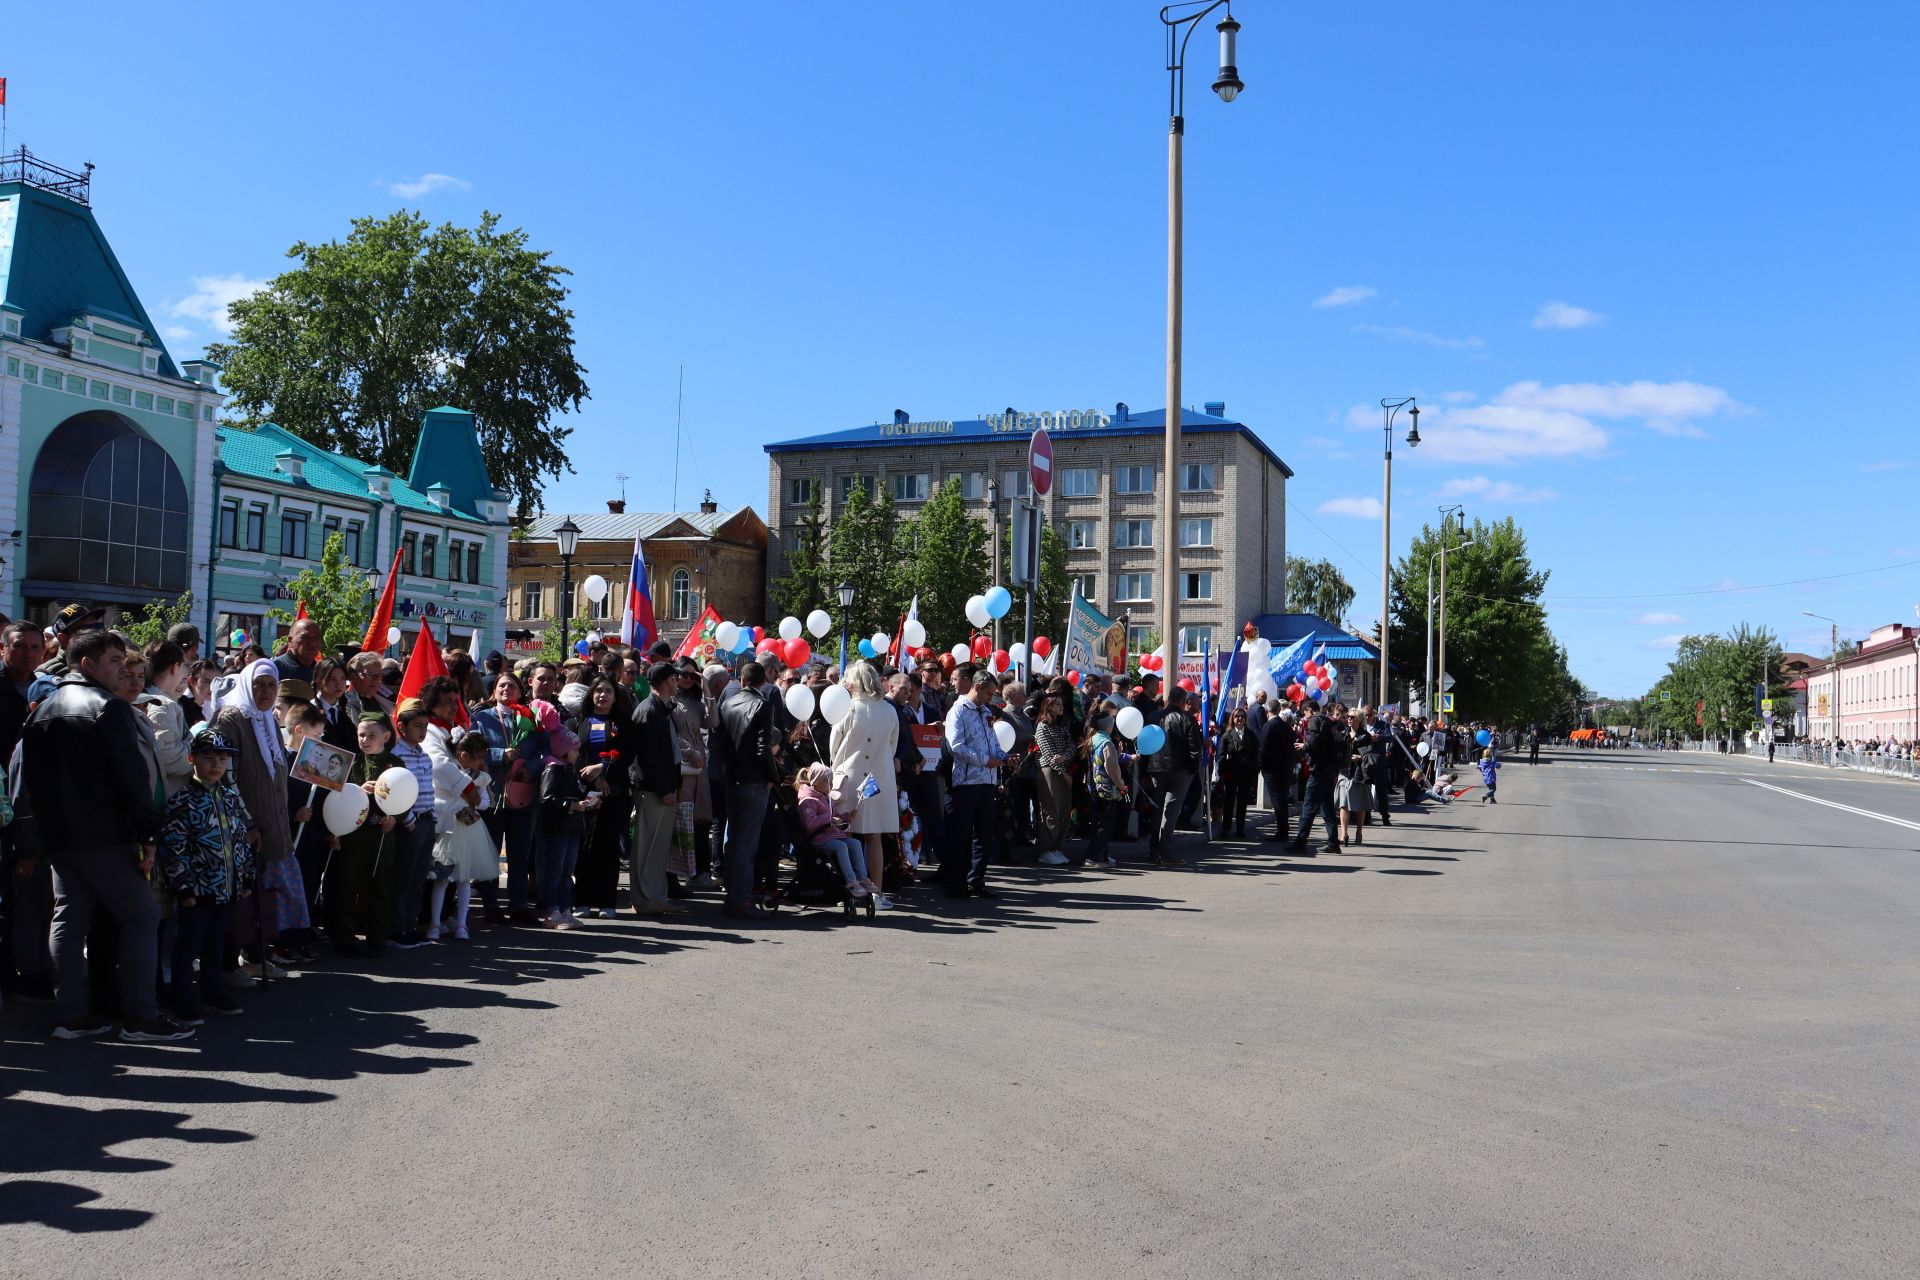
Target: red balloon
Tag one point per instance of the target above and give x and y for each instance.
(1042, 646)
(947, 664)
(759, 634)
(982, 646)
(1000, 660)
(1325, 684)
(1073, 678)
(797, 653)
(1296, 693)
(1310, 667)
(1186, 682)
(1249, 631)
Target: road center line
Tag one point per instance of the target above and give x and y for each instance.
(1834, 804)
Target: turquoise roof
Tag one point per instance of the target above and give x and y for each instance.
(55, 263)
(448, 453)
(252, 454)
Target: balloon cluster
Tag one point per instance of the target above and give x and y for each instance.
(1315, 683)
(982, 609)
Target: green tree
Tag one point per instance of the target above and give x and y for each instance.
(943, 561)
(352, 346)
(1725, 673)
(862, 549)
(336, 596)
(152, 620)
(809, 583)
(1053, 595)
(1318, 587)
(550, 650)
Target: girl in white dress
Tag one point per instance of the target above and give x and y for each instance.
(462, 850)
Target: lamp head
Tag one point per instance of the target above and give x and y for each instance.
(846, 595)
(1413, 431)
(1228, 84)
(568, 535)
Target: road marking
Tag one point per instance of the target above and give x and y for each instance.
(1835, 804)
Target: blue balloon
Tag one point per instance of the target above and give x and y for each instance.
(1151, 739)
(745, 642)
(580, 647)
(866, 648)
(1483, 737)
(999, 601)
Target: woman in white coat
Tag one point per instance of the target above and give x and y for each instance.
(862, 744)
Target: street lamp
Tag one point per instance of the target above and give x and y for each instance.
(846, 604)
(1181, 20)
(1440, 555)
(568, 536)
(1833, 664)
(1446, 513)
(1389, 408)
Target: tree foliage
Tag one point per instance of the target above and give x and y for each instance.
(943, 561)
(152, 621)
(1318, 587)
(350, 348)
(577, 630)
(1507, 666)
(336, 595)
(863, 550)
(1725, 672)
(809, 582)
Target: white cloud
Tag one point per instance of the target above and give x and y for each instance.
(1359, 508)
(1345, 295)
(1657, 619)
(1457, 397)
(1884, 464)
(209, 300)
(1564, 315)
(426, 184)
(175, 332)
(1405, 334)
(1669, 407)
(1486, 490)
(1666, 642)
(1501, 433)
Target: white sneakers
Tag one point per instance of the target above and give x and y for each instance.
(881, 902)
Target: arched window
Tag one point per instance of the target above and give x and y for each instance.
(108, 509)
(680, 599)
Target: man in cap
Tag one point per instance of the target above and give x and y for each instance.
(70, 623)
(187, 636)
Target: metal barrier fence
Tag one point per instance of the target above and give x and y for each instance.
(1880, 762)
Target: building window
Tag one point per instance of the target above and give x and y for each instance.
(1137, 638)
(31, 373)
(163, 404)
(293, 535)
(1196, 477)
(122, 395)
(109, 510)
(1133, 586)
(1133, 533)
(866, 482)
(791, 539)
(1080, 482)
(409, 552)
(800, 491)
(680, 595)
(473, 562)
(256, 529)
(1193, 638)
(1133, 480)
(429, 554)
(910, 488)
(350, 543)
(230, 524)
(328, 527)
(1083, 535)
(143, 399)
(1013, 484)
(973, 484)
(456, 558)
(603, 607)
(1196, 586)
(1086, 582)
(1197, 532)
(567, 595)
(530, 599)
(98, 390)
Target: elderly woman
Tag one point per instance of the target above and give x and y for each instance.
(863, 745)
(246, 718)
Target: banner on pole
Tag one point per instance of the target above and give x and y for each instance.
(700, 644)
(1095, 644)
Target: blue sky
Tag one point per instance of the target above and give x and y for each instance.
(1649, 267)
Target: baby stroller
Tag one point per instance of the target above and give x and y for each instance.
(816, 876)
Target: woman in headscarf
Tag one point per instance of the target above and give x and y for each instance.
(246, 718)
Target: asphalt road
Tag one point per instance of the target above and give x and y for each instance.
(1643, 1018)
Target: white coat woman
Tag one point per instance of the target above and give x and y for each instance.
(863, 743)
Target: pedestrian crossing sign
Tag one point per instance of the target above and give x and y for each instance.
(1766, 704)
(1446, 704)
(1666, 695)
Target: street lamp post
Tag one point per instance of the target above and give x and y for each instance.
(1181, 20)
(1446, 513)
(568, 536)
(1440, 555)
(1833, 665)
(846, 604)
(1388, 409)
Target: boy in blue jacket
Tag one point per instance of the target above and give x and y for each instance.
(1489, 774)
(206, 859)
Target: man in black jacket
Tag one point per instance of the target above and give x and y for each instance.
(747, 740)
(1276, 766)
(97, 814)
(1327, 746)
(1170, 770)
(655, 775)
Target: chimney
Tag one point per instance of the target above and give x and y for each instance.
(290, 464)
(1215, 408)
(617, 506)
(708, 506)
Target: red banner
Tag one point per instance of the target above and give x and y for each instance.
(699, 644)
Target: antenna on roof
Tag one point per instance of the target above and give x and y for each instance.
(622, 477)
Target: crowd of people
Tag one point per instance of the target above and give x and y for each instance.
(161, 857)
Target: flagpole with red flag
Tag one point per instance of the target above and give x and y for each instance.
(376, 638)
(301, 615)
(423, 664)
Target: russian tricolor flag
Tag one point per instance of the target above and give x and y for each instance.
(637, 627)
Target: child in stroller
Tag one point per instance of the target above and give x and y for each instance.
(824, 834)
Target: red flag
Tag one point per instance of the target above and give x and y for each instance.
(3, 91)
(376, 638)
(699, 642)
(302, 614)
(423, 665)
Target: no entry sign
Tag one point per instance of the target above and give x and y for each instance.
(1040, 462)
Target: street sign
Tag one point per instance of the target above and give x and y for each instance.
(1666, 695)
(1446, 704)
(1040, 462)
(1446, 683)
(1024, 568)
(1766, 704)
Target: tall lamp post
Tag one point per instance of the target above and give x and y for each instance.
(568, 536)
(1388, 409)
(1440, 555)
(1181, 21)
(1833, 665)
(846, 604)
(1445, 514)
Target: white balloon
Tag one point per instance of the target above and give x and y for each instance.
(1017, 653)
(819, 623)
(1424, 750)
(977, 611)
(393, 635)
(882, 642)
(915, 633)
(342, 810)
(1129, 722)
(396, 790)
(596, 587)
(1003, 732)
(800, 702)
(726, 635)
(836, 704)
(789, 628)
(961, 653)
